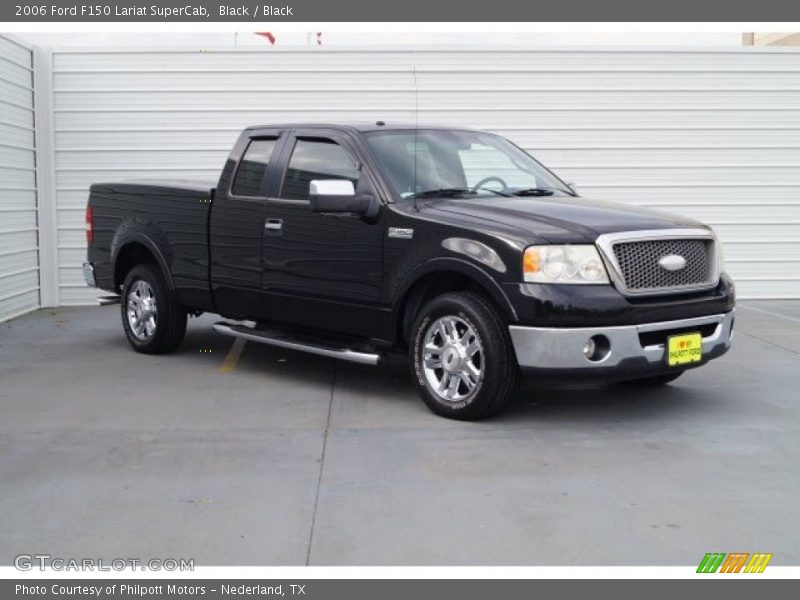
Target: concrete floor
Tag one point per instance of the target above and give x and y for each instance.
(293, 459)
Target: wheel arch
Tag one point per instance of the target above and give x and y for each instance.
(440, 276)
(133, 247)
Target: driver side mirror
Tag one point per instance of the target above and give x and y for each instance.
(337, 196)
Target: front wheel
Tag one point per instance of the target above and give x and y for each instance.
(153, 321)
(462, 359)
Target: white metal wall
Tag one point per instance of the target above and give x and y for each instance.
(19, 244)
(711, 133)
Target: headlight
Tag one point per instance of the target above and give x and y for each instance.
(563, 264)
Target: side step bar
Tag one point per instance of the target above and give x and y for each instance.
(106, 300)
(331, 348)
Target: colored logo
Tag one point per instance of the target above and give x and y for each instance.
(735, 562)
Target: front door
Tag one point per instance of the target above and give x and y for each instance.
(322, 270)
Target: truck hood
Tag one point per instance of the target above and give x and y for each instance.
(559, 219)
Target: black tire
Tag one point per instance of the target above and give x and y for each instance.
(481, 321)
(655, 380)
(169, 320)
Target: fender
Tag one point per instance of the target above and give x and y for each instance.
(149, 236)
(460, 266)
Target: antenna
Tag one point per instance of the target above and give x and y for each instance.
(416, 126)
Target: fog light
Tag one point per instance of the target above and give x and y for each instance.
(597, 348)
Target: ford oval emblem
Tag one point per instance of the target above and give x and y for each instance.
(672, 262)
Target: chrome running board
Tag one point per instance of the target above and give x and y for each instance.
(106, 300)
(331, 347)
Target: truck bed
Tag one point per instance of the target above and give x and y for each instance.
(168, 217)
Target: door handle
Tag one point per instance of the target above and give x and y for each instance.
(273, 224)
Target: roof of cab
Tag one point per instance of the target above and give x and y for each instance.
(358, 127)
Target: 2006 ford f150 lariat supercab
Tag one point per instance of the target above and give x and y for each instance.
(452, 245)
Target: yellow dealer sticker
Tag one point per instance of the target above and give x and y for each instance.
(684, 349)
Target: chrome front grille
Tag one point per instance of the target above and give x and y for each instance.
(638, 262)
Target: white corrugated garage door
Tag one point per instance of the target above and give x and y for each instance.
(711, 133)
(19, 255)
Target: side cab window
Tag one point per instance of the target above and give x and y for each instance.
(316, 158)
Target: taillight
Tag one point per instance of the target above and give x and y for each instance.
(89, 225)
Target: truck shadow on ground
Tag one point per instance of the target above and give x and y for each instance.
(391, 383)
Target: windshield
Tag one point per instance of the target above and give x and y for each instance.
(432, 163)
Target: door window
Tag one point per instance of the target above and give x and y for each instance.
(316, 158)
(253, 167)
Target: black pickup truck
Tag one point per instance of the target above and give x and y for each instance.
(453, 246)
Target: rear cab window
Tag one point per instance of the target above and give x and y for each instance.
(253, 167)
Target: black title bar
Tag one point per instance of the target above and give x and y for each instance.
(41, 11)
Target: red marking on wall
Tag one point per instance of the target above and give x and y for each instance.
(268, 35)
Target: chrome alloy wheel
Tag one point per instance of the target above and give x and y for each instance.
(142, 310)
(452, 359)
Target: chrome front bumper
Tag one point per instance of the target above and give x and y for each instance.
(563, 349)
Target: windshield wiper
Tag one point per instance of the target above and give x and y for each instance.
(453, 192)
(537, 191)
(443, 193)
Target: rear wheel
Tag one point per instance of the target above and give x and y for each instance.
(153, 321)
(462, 359)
